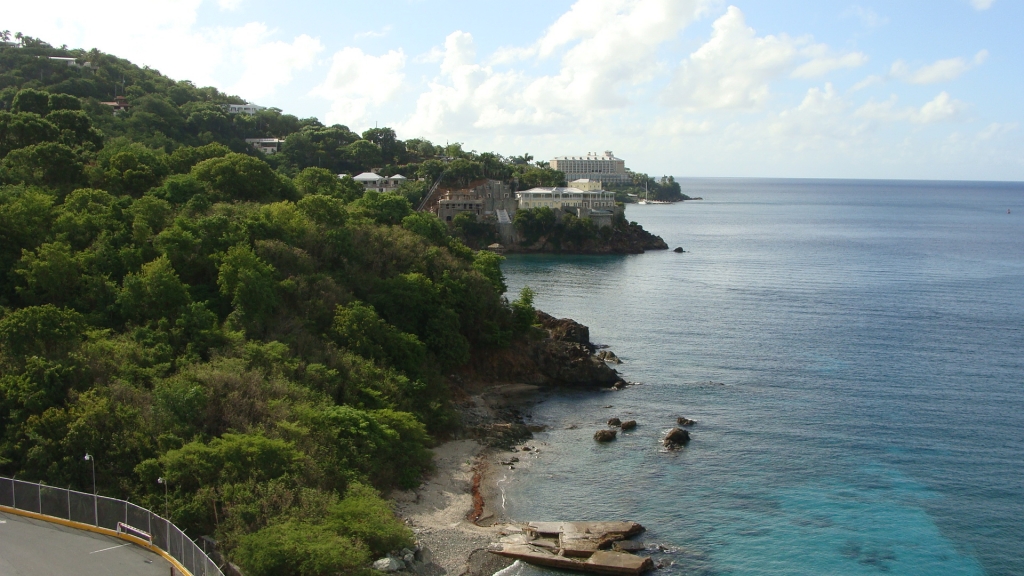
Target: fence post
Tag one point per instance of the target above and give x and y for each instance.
(39, 496)
(68, 494)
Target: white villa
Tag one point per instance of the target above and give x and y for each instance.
(265, 145)
(372, 181)
(249, 109)
(561, 198)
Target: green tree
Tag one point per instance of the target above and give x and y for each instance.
(155, 293)
(248, 281)
(30, 100)
(241, 177)
(318, 181)
(386, 208)
(359, 328)
(46, 331)
(23, 129)
(48, 164)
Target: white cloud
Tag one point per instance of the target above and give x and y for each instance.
(382, 32)
(868, 82)
(996, 129)
(164, 35)
(867, 16)
(607, 51)
(982, 4)
(940, 109)
(939, 71)
(357, 83)
(825, 63)
(734, 68)
(269, 65)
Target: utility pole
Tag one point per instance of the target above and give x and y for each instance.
(163, 481)
(95, 503)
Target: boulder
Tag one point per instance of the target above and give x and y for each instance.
(676, 437)
(614, 421)
(604, 435)
(629, 425)
(388, 564)
(684, 421)
(620, 384)
(609, 356)
(679, 250)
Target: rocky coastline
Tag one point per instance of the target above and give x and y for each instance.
(456, 514)
(628, 239)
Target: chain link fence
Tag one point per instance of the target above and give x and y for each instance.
(109, 513)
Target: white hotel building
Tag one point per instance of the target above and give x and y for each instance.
(563, 198)
(604, 168)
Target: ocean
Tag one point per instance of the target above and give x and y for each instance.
(853, 354)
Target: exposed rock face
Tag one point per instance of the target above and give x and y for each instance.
(572, 364)
(676, 437)
(629, 425)
(684, 421)
(679, 250)
(609, 356)
(565, 358)
(614, 421)
(604, 435)
(565, 329)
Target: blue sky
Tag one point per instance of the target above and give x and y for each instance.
(787, 88)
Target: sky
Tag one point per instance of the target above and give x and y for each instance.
(918, 89)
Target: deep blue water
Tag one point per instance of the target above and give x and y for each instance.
(853, 353)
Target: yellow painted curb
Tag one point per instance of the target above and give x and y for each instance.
(104, 531)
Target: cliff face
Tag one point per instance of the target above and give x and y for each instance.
(560, 354)
(623, 239)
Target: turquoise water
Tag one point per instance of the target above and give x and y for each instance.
(853, 353)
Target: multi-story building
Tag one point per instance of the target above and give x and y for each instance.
(597, 205)
(562, 198)
(604, 168)
(482, 197)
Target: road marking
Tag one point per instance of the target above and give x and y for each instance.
(111, 548)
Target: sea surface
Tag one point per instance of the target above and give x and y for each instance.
(853, 354)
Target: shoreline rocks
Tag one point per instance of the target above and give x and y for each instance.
(684, 421)
(604, 435)
(628, 425)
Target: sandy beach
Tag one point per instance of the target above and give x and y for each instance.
(442, 512)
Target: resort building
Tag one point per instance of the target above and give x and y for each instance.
(604, 168)
(373, 181)
(249, 109)
(562, 198)
(266, 145)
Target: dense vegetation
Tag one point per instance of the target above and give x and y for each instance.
(665, 189)
(258, 332)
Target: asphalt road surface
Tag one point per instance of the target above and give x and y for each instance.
(35, 548)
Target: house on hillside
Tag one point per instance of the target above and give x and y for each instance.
(485, 199)
(374, 181)
(71, 62)
(120, 104)
(249, 109)
(266, 145)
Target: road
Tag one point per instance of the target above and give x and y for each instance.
(35, 548)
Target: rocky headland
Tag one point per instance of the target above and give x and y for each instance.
(622, 239)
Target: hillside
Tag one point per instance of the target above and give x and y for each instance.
(254, 330)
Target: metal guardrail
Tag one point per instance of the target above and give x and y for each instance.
(107, 515)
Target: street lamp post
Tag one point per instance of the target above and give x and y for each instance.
(163, 481)
(95, 505)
